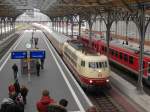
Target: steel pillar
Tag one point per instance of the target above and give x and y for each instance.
(127, 23)
(1, 29)
(67, 26)
(72, 24)
(80, 22)
(142, 27)
(108, 23)
(90, 32)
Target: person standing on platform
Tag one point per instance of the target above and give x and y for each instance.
(38, 68)
(45, 101)
(15, 70)
(24, 92)
(17, 87)
(42, 63)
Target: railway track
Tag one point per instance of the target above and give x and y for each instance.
(8, 44)
(104, 102)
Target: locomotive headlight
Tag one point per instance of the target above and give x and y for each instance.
(99, 70)
(91, 81)
(107, 80)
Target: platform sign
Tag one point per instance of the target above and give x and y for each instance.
(39, 54)
(18, 54)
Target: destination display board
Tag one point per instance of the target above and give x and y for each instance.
(18, 54)
(39, 54)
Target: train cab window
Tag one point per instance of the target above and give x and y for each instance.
(125, 57)
(131, 59)
(92, 65)
(95, 65)
(116, 53)
(83, 63)
(120, 55)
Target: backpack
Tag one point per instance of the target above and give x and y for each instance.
(7, 105)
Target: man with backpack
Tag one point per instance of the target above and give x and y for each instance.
(10, 104)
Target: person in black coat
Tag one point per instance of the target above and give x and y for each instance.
(42, 63)
(9, 105)
(38, 68)
(15, 70)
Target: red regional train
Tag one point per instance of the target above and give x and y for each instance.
(125, 57)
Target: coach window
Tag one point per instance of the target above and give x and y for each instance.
(148, 67)
(102, 48)
(116, 53)
(105, 49)
(112, 52)
(131, 59)
(143, 64)
(120, 54)
(83, 63)
(125, 57)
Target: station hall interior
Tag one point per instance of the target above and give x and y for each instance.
(74, 55)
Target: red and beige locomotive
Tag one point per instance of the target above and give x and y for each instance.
(89, 67)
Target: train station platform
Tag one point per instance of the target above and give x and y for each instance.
(55, 77)
(129, 90)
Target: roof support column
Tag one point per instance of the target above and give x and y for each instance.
(108, 22)
(142, 25)
(63, 25)
(57, 25)
(67, 26)
(14, 25)
(127, 23)
(90, 23)
(1, 29)
(72, 24)
(54, 24)
(52, 20)
(5, 28)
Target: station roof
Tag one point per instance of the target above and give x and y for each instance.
(55, 8)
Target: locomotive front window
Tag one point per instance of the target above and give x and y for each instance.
(97, 64)
(92, 65)
(83, 63)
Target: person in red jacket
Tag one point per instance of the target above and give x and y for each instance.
(42, 105)
(11, 89)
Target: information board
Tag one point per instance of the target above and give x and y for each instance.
(18, 54)
(40, 54)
